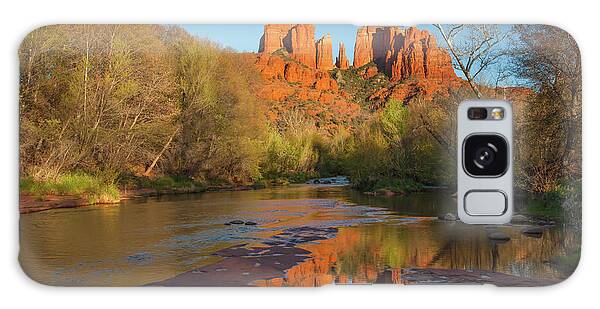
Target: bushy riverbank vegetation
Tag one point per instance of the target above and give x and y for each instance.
(93, 189)
(112, 107)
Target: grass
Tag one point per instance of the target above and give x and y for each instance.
(76, 184)
(95, 190)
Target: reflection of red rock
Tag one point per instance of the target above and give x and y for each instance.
(342, 61)
(402, 53)
(324, 53)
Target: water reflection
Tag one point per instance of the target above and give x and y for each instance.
(154, 239)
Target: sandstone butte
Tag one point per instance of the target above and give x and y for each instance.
(402, 53)
(296, 71)
(341, 61)
(324, 53)
(297, 40)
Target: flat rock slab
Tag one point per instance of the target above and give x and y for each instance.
(243, 264)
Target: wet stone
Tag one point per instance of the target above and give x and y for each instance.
(519, 219)
(447, 217)
(499, 236)
(140, 258)
(533, 231)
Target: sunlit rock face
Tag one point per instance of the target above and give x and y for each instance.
(394, 62)
(324, 53)
(297, 40)
(402, 53)
(341, 62)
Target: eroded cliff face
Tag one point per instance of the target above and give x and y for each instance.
(273, 38)
(341, 62)
(399, 53)
(297, 40)
(324, 53)
(389, 62)
(402, 53)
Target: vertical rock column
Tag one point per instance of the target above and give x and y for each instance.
(341, 61)
(302, 45)
(324, 53)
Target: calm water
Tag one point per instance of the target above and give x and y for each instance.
(148, 240)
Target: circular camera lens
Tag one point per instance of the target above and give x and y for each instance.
(484, 156)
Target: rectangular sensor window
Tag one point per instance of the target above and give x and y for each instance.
(485, 113)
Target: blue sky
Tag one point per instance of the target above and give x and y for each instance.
(245, 38)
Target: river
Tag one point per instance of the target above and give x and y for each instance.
(300, 235)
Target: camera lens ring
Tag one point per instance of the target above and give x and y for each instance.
(496, 144)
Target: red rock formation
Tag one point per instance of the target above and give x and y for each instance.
(273, 38)
(402, 53)
(295, 73)
(303, 44)
(324, 53)
(288, 85)
(341, 61)
(297, 40)
(369, 72)
(363, 47)
(273, 67)
(324, 82)
(296, 78)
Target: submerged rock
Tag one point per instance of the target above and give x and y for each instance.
(140, 258)
(499, 236)
(533, 231)
(385, 192)
(447, 217)
(519, 219)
